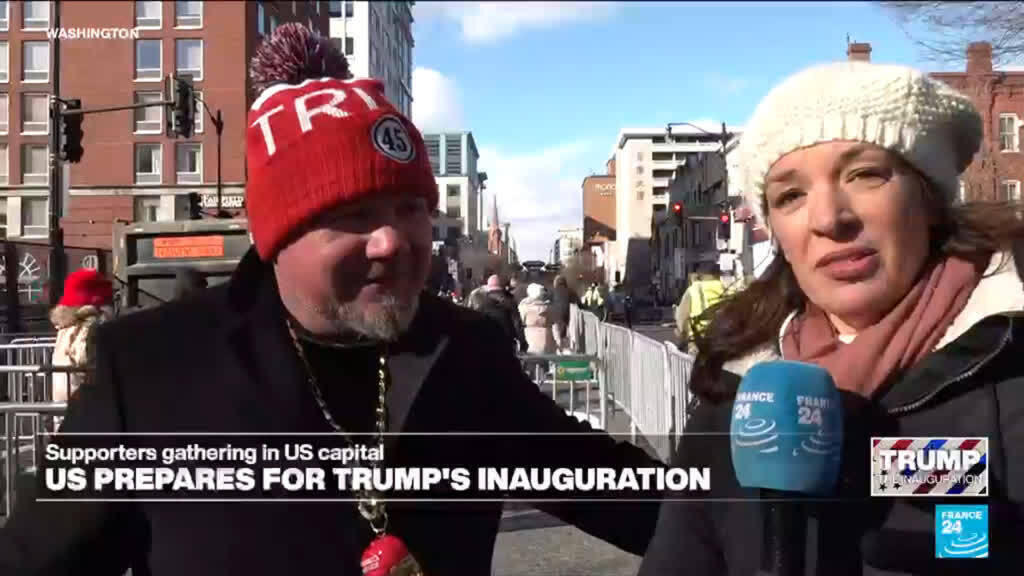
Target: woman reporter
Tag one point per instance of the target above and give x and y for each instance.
(911, 301)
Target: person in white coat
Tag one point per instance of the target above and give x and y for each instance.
(86, 302)
(537, 321)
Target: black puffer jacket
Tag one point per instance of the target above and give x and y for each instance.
(971, 386)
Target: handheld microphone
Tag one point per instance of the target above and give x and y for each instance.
(787, 437)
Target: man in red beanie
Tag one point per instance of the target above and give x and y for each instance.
(324, 327)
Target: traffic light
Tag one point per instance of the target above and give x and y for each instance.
(195, 208)
(183, 110)
(70, 129)
(724, 225)
(677, 212)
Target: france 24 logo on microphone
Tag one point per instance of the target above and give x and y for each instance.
(937, 467)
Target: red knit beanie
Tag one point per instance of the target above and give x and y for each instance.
(85, 287)
(314, 141)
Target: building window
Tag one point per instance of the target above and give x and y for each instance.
(34, 217)
(147, 208)
(5, 19)
(4, 113)
(334, 9)
(35, 164)
(350, 46)
(5, 62)
(35, 62)
(349, 9)
(4, 178)
(35, 15)
(261, 19)
(1008, 133)
(147, 163)
(148, 57)
(149, 120)
(454, 211)
(273, 23)
(1010, 190)
(189, 58)
(200, 112)
(35, 114)
(188, 14)
(189, 160)
(148, 15)
(454, 190)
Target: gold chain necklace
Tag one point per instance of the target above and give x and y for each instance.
(370, 506)
(386, 554)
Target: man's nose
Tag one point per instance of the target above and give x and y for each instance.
(385, 242)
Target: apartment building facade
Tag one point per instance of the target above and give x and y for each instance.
(453, 156)
(131, 170)
(645, 164)
(376, 37)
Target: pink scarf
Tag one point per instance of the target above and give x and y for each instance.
(900, 339)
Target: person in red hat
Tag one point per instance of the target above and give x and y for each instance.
(325, 327)
(86, 301)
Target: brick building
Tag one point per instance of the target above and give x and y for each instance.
(131, 170)
(998, 169)
(599, 206)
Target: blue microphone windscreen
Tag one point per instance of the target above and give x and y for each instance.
(787, 428)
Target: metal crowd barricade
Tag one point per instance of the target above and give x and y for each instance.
(648, 380)
(25, 424)
(650, 394)
(584, 398)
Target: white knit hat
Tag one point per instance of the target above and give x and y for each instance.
(932, 126)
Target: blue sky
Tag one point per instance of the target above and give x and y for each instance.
(545, 87)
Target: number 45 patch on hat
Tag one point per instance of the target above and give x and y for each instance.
(392, 139)
(961, 531)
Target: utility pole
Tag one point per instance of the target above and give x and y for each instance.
(56, 259)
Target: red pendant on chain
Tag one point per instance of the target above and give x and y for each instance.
(387, 555)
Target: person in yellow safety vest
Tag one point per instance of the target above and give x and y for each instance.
(701, 295)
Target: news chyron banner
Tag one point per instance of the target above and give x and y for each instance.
(331, 467)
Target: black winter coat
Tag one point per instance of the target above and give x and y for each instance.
(971, 387)
(223, 362)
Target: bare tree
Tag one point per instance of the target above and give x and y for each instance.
(954, 25)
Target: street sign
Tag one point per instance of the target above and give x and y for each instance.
(574, 371)
(227, 201)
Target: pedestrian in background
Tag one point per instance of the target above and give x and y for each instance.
(561, 309)
(87, 300)
(908, 299)
(499, 306)
(535, 310)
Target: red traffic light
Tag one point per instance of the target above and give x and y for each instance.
(724, 217)
(677, 207)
